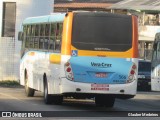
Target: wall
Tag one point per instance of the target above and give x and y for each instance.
(10, 47)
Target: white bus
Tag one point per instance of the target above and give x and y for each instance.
(80, 55)
(155, 64)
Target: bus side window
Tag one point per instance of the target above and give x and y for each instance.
(28, 30)
(42, 36)
(52, 36)
(47, 28)
(61, 29)
(57, 45)
(58, 37)
(31, 41)
(36, 37)
(36, 42)
(53, 29)
(52, 43)
(33, 30)
(41, 43)
(27, 42)
(24, 37)
(46, 41)
(27, 36)
(25, 30)
(42, 30)
(37, 30)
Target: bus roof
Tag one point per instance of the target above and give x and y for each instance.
(55, 17)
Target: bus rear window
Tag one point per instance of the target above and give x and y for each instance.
(102, 32)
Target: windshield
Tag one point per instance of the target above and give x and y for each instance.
(144, 67)
(102, 32)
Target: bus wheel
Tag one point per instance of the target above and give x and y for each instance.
(29, 91)
(57, 99)
(47, 97)
(107, 101)
(99, 101)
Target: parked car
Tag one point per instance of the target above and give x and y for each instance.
(144, 76)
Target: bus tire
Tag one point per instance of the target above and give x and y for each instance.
(47, 97)
(98, 101)
(29, 91)
(109, 102)
(106, 101)
(57, 99)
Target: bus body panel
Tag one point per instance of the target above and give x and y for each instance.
(68, 86)
(63, 85)
(71, 87)
(37, 64)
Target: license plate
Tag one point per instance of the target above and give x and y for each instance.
(103, 87)
(100, 75)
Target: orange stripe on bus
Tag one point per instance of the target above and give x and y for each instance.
(31, 53)
(67, 33)
(55, 59)
(135, 36)
(126, 54)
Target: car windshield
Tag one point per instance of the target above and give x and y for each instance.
(144, 67)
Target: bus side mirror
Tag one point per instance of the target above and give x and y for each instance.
(20, 36)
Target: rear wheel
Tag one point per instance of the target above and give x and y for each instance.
(107, 101)
(47, 97)
(29, 91)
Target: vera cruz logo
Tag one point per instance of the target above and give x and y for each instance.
(103, 65)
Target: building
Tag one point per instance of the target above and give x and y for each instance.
(13, 12)
(148, 13)
(87, 5)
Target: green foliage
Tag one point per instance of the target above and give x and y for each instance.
(9, 83)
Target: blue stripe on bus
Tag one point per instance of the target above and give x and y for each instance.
(85, 69)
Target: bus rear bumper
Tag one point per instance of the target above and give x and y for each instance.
(120, 90)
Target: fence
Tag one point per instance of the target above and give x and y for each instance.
(7, 61)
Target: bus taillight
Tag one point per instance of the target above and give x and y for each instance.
(134, 66)
(68, 71)
(132, 74)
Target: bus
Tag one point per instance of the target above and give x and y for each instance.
(155, 64)
(80, 55)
